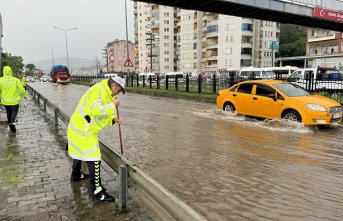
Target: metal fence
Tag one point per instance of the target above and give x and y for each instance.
(212, 84)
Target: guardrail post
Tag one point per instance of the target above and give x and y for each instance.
(45, 100)
(56, 116)
(38, 98)
(187, 83)
(122, 188)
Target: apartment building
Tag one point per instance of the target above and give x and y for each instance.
(201, 42)
(265, 33)
(154, 37)
(117, 56)
(326, 47)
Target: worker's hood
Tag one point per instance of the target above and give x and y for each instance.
(7, 71)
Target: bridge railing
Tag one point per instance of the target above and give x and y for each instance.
(153, 195)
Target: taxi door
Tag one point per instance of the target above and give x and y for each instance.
(266, 104)
(243, 98)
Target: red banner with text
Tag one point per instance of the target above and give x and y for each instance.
(328, 14)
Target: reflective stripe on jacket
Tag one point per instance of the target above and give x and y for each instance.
(11, 89)
(97, 103)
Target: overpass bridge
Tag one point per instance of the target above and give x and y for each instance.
(325, 14)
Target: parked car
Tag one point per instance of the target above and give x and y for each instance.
(280, 100)
(46, 78)
(96, 80)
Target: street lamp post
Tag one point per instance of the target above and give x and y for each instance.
(65, 33)
(52, 52)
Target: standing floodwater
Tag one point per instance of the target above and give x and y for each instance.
(227, 167)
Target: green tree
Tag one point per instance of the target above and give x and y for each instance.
(292, 40)
(15, 62)
(30, 66)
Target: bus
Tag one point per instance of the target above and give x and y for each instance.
(173, 75)
(282, 72)
(258, 73)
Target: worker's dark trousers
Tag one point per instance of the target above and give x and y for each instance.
(93, 169)
(12, 111)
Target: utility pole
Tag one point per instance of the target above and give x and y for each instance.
(127, 41)
(105, 53)
(151, 38)
(97, 63)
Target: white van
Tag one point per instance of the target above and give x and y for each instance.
(147, 76)
(259, 73)
(110, 75)
(282, 72)
(321, 78)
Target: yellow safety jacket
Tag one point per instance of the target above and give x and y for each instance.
(97, 104)
(23, 81)
(11, 89)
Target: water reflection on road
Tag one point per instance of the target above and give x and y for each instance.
(227, 167)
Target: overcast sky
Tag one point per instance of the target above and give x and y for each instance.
(28, 26)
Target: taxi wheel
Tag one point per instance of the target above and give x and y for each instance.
(291, 115)
(228, 107)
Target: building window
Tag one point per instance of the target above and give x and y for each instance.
(247, 27)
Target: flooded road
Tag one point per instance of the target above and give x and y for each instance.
(224, 166)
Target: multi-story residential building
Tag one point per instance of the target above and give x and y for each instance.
(265, 33)
(0, 44)
(325, 47)
(154, 34)
(189, 41)
(201, 42)
(117, 56)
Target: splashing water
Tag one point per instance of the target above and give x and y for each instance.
(270, 124)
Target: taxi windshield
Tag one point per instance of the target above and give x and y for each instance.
(291, 90)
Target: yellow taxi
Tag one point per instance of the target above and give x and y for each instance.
(279, 100)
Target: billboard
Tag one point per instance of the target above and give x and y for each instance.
(328, 14)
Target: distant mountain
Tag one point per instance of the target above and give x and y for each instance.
(74, 63)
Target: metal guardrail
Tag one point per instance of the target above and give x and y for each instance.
(153, 195)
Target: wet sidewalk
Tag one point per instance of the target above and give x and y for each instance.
(35, 175)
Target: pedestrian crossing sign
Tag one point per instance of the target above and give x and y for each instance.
(128, 63)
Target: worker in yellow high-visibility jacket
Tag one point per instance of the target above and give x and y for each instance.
(96, 110)
(23, 82)
(11, 92)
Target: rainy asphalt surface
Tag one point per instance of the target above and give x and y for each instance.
(35, 175)
(226, 167)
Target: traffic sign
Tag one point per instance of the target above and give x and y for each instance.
(128, 63)
(274, 45)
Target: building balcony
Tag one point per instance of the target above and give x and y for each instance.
(247, 33)
(247, 45)
(212, 22)
(155, 25)
(212, 45)
(321, 38)
(211, 34)
(212, 58)
(246, 56)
